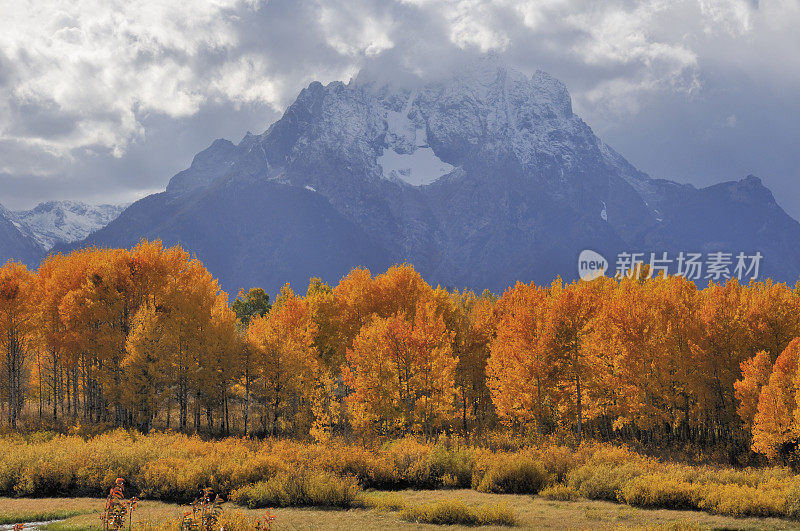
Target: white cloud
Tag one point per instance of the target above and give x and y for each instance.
(353, 31)
(732, 16)
(102, 63)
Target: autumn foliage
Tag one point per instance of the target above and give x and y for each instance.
(145, 338)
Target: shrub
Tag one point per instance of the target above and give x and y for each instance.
(384, 502)
(740, 500)
(450, 467)
(603, 482)
(560, 492)
(456, 512)
(496, 514)
(660, 491)
(174, 467)
(300, 489)
(513, 475)
(557, 461)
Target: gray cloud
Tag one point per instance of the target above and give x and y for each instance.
(106, 100)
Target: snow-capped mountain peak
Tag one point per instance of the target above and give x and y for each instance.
(55, 222)
(515, 185)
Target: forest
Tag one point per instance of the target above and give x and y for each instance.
(146, 339)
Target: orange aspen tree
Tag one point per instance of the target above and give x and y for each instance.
(352, 306)
(16, 334)
(401, 373)
(777, 419)
(722, 345)
(570, 323)
(521, 372)
(755, 375)
(472, 321)
(638, 330)
(58, 276)
(287, 362)
(399, 290)
(772, 316)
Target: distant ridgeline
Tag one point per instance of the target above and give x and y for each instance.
(145, 338)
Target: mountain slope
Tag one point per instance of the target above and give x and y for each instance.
(251, 233)
(15, 244)
(734, 217)
(480, 179)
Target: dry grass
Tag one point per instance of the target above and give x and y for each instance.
(269, 473)
(532, 512)
(13, 511)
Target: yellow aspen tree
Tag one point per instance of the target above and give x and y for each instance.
(775, 424)
(287, 361)
(16, 335)
(755, 375)
(520, 370)
(570, 323)
(147, 365)
(401, 373)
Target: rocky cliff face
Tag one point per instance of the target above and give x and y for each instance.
(480, 179)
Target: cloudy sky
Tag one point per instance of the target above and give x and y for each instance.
(104, 100)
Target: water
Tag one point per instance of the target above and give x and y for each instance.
(29, 526)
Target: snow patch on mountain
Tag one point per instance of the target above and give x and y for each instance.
(57, 222)
(418, 168)
(408, 156)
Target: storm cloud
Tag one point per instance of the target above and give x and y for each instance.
(104, 100)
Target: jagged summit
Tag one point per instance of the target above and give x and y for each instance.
(412, 134)
(59, 222)
(480, 177)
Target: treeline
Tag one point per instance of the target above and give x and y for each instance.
(145, 338)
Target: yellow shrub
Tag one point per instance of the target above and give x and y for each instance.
(456, 512)
(660, 491)
(172, 466)
(384, 502)
(768, 499)
(513, 474)
(300, 489)
(601, 481)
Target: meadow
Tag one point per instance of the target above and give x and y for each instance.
(398, 483)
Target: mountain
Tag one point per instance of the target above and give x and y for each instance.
(16, 244)
(259, 233)
(479, 179)
(59, 222)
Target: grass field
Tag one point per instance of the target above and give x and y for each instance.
(403, 483)
(532, 512)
